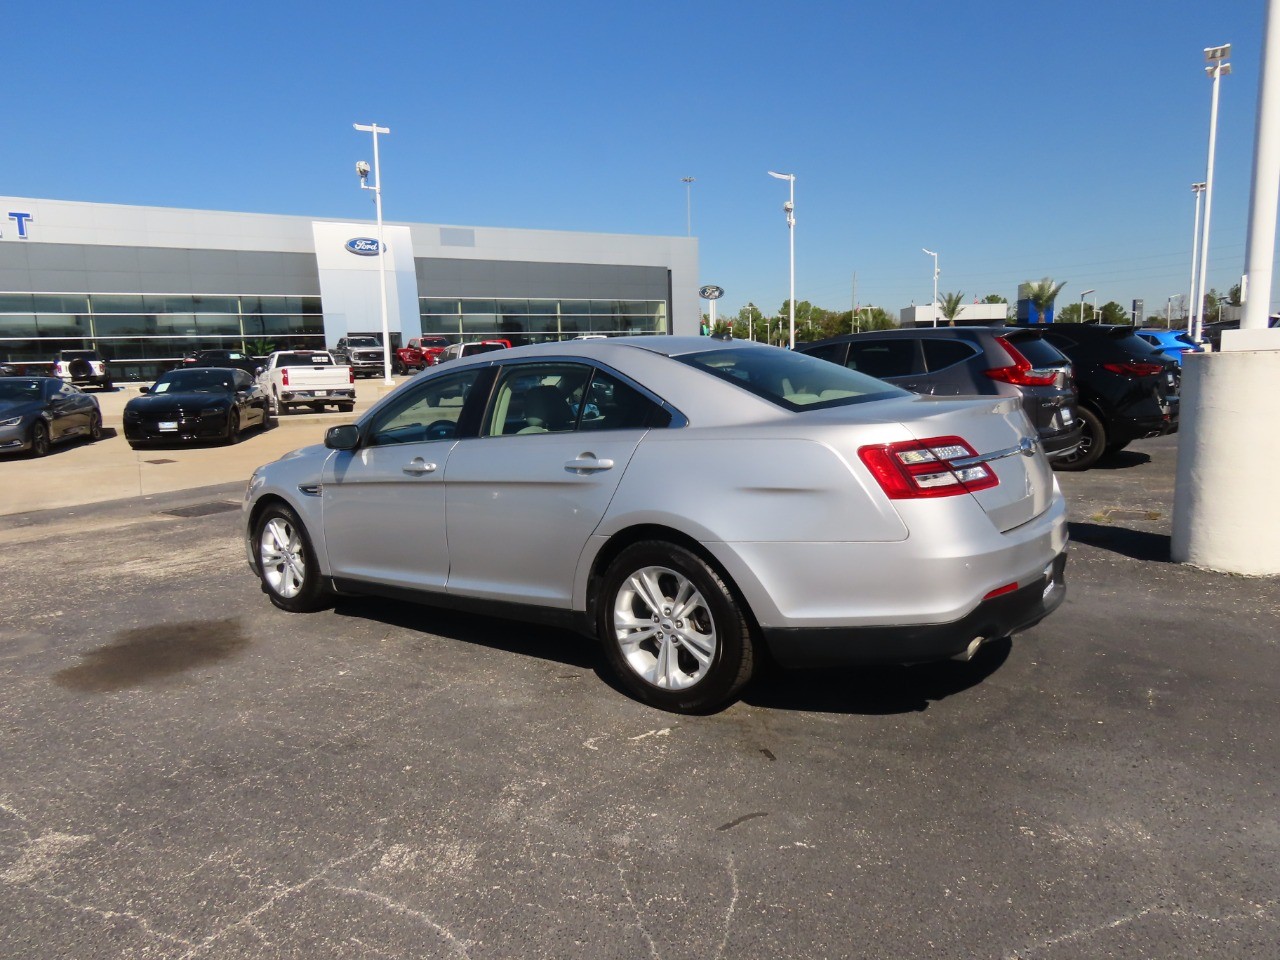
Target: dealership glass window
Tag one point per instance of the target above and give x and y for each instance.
(18, 325)
(123, 325)
(42, 350)
(63, 325)
(447, 326)
(16, 303)
(117, 303)
(448, 306)
(60, 303)
(168, 303)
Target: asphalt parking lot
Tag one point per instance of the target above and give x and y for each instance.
(189, 772)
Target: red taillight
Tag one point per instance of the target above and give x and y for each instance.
(913, 469)
(351, 374)
(284, 376)
(1021, 373)
(1001, 591)
(1134, 369)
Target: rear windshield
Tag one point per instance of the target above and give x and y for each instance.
(794, 381)
(1040, 352)
(474, 348)
(303, 360)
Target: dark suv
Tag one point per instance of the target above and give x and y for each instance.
(1128, 388)
(957, 361)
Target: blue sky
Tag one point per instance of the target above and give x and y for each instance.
(1019, 140)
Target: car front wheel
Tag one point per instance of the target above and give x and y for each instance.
(286, 562)
(673, 630)
(95, 426)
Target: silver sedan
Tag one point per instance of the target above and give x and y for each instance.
(693, 503)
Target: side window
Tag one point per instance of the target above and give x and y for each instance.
(883, 358)
(430, 411)
(613, 405)
(940, 354)
(537, 398)
(833, 352)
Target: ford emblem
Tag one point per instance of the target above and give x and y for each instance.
(711, 292)
(363, 246)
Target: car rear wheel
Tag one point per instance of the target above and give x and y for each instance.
(1093, 442)
(286, 562)
(233, 425)
(39, 439)
(95, 426)
(673, 630)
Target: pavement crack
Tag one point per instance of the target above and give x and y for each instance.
(457, 946)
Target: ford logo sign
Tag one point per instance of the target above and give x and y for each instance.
(711, 292)
(363, 246)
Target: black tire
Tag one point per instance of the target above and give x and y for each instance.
(266, 416)
(286, 564)
(399, 367)
(39, 439)
(716, 620)
(233, 425)
(275, 403)
(1113, 448)
(318, 407)
(109, 385)
(95, 427)
(1093, 443)
(346, 407)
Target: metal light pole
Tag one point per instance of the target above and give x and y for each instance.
(751, 321)
(1214, 56)
(1255, 285)
(688, 204)
(790, 208)
(1197, 188)
(1083, 294)
(362, 169)
(933, 304)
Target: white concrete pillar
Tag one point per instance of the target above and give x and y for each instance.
(1226, 513)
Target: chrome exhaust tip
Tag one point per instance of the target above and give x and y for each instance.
(968, 653)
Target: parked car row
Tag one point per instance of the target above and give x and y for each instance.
(1088, 389)
(37, 412)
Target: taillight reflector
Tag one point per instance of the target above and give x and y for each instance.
(1021, 372)
(914, 469)
(351, 374)
(284, 376)
(1001, 591)
(1134, 369)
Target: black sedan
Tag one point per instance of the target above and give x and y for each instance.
(202, 403)
(38, 411)
(222, 358)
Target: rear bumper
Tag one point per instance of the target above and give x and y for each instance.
(992, 619)
(1061, 444)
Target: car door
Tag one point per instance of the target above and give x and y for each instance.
(526, 494)
(68, 409)
(384, 502)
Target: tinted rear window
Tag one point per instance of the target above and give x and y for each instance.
(794, 381)
(883, 358)
(1040, 352)
(940, 354)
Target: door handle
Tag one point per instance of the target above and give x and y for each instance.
(417, 467)
(586, 463)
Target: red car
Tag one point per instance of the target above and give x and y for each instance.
(421, 352)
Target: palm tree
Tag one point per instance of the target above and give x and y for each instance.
(951, 303)
(1042, 293)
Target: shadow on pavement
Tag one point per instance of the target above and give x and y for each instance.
(512, 636)
(1135, 544)
(1122, 460)
(875, 690)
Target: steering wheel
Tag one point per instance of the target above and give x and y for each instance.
(441, 430)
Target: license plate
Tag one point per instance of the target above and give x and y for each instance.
(1067, 418)
(322, 393)
(168, 424)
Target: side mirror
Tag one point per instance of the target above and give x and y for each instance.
(257, 371)
(144, 389)
(344, 437)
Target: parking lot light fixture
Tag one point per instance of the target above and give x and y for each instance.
(933, 304)
(1217, 67)
(790, 209)
(688, 204)
(362, 170)
(1083, 294)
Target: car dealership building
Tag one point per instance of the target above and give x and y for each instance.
(146, 285)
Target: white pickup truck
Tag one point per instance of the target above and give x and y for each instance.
(307, 378)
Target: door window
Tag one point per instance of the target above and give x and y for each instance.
(883, 358)
(562, 397)
(430, 411)
(940, 354)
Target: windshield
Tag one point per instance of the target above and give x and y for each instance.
(194, 381)
(363, 342)
(16, 388)
(791, 380)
